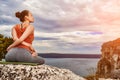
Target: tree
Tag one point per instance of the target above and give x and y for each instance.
(4, 43)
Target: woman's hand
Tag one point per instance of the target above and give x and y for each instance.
(34, 54)
(31, 48)
(9, 48)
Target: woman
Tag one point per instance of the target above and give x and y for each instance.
(23, 34)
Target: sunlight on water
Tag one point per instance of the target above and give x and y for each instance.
(80, 66)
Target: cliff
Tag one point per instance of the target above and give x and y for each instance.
(38, 72)
(109, 63)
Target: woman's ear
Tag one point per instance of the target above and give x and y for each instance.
(26, 18)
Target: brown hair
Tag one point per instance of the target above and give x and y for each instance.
(21, 15)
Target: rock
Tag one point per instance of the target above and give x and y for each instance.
(39, 72)
(109, 63)
(104, 68)
(115, 74)
(107, 79)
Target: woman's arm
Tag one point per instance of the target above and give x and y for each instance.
(15, 37)
(27, 32)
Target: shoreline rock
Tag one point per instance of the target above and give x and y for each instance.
(39, 72)
(109, 63)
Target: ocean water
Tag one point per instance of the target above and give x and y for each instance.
(80, 66)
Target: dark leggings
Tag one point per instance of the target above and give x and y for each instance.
(22, 55)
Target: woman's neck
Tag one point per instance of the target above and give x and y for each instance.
(25, 23)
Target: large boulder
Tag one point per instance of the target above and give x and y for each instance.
(109, 63)
(39, 72)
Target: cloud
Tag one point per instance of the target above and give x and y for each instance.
(7, 11)
(66, 25)
(77, 41)
(6, 30)
(75, 36)
(44, 38)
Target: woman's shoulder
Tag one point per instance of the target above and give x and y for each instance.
(31, 27)
(15, 26)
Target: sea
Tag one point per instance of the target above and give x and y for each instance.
(79, 66)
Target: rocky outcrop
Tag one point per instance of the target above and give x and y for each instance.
(39, 72)
(107, 79)
(109, 63)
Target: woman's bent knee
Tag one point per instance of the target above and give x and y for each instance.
(10, 56)
(7, 58)
(42, 61)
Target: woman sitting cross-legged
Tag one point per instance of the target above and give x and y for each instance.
(21, 49)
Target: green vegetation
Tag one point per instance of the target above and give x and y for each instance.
(4, 43)
(17, 63)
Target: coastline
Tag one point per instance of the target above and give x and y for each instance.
(68, 55)
(80, 66)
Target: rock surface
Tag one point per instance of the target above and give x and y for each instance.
(109, 63)
(107, 79)
(39, 72)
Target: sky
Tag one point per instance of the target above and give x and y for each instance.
(66, 26)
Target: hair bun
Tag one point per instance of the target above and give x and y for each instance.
(18, 14)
